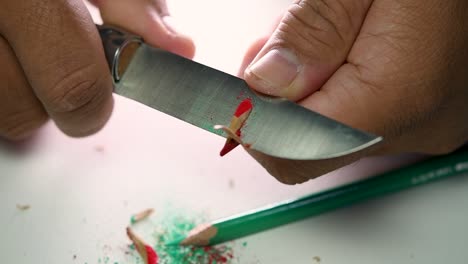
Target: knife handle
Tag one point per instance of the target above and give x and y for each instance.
(119, 48)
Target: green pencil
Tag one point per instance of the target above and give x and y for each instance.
(293, 210)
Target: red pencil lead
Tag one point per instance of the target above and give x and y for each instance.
(228, 146)
(244, 106)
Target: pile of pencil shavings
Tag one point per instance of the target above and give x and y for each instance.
(162, 253)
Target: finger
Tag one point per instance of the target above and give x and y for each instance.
(250, 54)
(61, 54)
(149, 19)
(310, 43)
(296, 171)
(394, 86)
(255, 48)
(20, 111)
(391, 84)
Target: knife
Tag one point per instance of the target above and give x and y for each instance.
(206, 97)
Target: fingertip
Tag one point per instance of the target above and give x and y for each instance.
(183, 46)
(250, 54)
(92, 126)
(283, 170)
(277, 72)
(165, 33)
(88, 119)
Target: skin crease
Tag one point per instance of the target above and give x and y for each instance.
(404, 77)
(396, 68)
(54, 65)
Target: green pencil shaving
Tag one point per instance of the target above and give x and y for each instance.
(275, 215)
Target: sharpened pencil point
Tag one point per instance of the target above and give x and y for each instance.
(228, 147)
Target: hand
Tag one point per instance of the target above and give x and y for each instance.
(53, 65)
(398, 69)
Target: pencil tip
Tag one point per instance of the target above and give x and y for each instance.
(228, 147)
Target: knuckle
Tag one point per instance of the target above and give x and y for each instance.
(278, 173)
(75, 90)
(322, 23)
(21, 124)
(278, 168)
(289, 172)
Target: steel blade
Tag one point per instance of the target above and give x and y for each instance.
(205, 97)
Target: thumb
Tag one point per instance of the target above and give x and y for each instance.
(149, 19)
(310, 43)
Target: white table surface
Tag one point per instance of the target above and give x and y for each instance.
(82, 191)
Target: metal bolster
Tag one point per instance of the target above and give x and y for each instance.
(115, 41)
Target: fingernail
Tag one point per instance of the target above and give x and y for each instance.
(274, 72)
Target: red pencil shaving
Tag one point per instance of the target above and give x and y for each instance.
(234, 131)
(146, 252)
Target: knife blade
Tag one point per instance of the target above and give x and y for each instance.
(205, 97)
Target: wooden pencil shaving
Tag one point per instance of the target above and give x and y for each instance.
(200, 235)
(141, 216)
(230, 133)
(23, 207)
